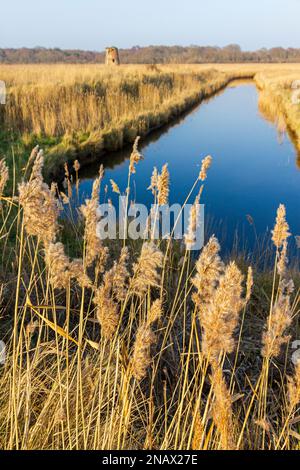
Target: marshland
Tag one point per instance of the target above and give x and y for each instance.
(144, 344)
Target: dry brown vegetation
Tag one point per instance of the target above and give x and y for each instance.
(275, 100)
(128, 347)
(84, 111)
(136, 346)
(231, 53)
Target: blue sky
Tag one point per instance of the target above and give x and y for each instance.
(93, 24)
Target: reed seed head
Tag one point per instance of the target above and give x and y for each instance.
(146, 269)
(155, 312)
(190, 236)
(278, 322)
(222, 410)
(163, 183)
(61, 269)
(221, 315)
(77, 272)
(294, 387)
(101, 172)
(206, 163)
(38, 164)
(141, 357)
(67, 173)
(154, 181)
(33, 154)
(249, 284)
(40, 207)
(135, 156)
(198, 432)
(107, 310)
(282, 261)
(281, 229)
(209, 268)
(121, 276)
(76, 166)
(93, 245)
(115, 187)
(4, 176)
(58, 265)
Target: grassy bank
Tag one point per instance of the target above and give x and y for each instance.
(134, 345)
(87, 111)
(276, 100)
(84, 112)
(137, 345)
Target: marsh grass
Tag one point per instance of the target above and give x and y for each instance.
(135, 345)
(82, 112)
(138, 346)
(276, 103)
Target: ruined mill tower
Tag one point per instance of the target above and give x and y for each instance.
(112, 56)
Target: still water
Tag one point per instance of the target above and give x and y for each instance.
(254, 169)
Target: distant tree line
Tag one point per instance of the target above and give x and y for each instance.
(152, 55)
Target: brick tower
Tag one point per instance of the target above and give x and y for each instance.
(112, 56)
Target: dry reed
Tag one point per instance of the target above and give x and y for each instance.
(146, 269)
(64, 386)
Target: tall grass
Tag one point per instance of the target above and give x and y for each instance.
(81, 112)
(276, 100)
(138, 346)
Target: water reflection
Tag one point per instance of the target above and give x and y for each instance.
(252, 171)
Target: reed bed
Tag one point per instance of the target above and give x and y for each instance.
(279, 100)
(138, 345)
(84, 111)
(81, 112)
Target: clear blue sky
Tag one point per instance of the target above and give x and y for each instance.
(93, 24)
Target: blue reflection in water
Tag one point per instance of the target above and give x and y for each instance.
(252, 172)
